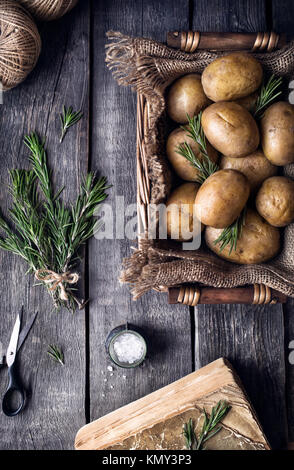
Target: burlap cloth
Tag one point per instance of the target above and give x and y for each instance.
(149, 67)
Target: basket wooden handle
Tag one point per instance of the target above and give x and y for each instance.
(189, 41)
(192, 295)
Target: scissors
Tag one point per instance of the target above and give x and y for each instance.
(17, 339)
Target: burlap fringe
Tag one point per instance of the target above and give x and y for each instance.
(130, 68)
(140, 275)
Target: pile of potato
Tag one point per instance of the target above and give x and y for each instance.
(248, 152)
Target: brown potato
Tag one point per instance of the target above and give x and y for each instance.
(180, 164)
(256, 167)
(231, 129)
(231, 77)
(186, 96)
(277, 133)
(248, 102)
(258, 242)
(275, 201)
(221, 198)
(181, 221)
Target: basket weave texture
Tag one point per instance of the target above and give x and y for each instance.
(149, 67)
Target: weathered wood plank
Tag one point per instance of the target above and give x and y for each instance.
(283, 17)
(113, 150)
(56, 407)
(251, 338)
(283, 22)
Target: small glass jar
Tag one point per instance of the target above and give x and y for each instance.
(119, 339)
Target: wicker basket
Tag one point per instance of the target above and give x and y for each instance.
(188, 294)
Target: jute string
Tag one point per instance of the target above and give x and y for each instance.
(57, 280)
(20, 43)
(48, 10)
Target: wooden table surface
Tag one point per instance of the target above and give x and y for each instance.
(71, 71)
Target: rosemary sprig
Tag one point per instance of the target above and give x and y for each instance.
(68, 118)
(16, 245)
(45, 233)
(56, 353)
(209, 427)
(189, 434)
(204, 166)
(267, 94)
(83, 224)
(230, 235)
(195, 131)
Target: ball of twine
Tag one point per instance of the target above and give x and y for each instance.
(20, 43)
(47, 10)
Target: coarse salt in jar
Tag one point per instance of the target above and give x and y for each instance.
(126, 346)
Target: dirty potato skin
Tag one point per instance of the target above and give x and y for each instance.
(186, 96)
(277, 133)
(180, 164)
(275, 201)
(230, 128)
(256, 167)
(258, 243)
(231, 77)
(182, 195)
(221, 198)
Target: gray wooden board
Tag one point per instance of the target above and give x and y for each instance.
(55, 409)
(252, 338)
(283, 21)
(113, 152)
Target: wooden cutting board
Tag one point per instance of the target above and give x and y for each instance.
(155, 422)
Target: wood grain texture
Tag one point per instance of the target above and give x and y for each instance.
(252, 338)
(283, 20)
(289, 361)
(167, 328)
(228, 16)
(56, 406)
(190, 41)
(215, 296)
(283, 17)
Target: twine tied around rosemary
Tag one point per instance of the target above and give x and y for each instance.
(57, 280)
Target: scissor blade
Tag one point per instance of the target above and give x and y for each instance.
(25, 331)
(11, 351)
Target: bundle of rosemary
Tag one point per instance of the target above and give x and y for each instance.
(43, 231)
(269, 91)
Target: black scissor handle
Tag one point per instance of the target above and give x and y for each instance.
(14, 388)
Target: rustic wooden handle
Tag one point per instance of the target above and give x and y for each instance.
(189, 41)
(259, 294)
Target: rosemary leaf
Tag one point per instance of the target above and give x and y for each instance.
(268, 93)
(230, 235)
(189, 434)
(56, 354)
(38, 159)
(91, 194)
(68, 118)
(204, 166)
